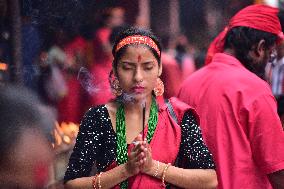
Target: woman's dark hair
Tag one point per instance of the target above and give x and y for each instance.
(131, 32)
(243, 39)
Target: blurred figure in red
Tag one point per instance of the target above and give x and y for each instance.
(102, 63)
(65, 57)
(26, 154)
(177, 65)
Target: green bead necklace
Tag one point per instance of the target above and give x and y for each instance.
(121, 149)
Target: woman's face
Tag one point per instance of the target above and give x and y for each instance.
(137, 71)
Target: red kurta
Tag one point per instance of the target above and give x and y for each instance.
(239, 122)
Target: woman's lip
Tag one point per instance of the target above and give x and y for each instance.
(138, 89)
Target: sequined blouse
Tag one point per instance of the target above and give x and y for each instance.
(96, 145)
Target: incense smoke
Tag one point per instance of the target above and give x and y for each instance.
(87, 81)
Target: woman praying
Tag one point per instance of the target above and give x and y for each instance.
(171, 154)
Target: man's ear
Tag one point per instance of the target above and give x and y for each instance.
(260, 48)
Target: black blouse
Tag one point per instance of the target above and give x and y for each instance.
(96, 144)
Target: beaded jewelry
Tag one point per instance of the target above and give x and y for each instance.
(94, 181)
(99, 180)
(164, 174)
(157, 170)
(121, 149)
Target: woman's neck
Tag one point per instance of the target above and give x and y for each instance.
(137, 106)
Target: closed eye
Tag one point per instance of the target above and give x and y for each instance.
(149, 67)
(127, 67)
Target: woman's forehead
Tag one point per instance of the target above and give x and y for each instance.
(137, 50)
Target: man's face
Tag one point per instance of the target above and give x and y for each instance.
(259, 59)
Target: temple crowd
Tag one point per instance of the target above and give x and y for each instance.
(153, 112)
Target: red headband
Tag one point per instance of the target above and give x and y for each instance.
(260, 17)
(140, 40)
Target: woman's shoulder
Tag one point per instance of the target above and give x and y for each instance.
(181, 109)
(102, 112)
(96, 110)
(96, 114)
(96, 118)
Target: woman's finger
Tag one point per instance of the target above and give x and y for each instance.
(139, 138)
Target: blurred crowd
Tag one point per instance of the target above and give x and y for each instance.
(70, 72)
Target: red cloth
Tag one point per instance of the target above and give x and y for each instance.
(101, 68)
(239, 122)
(77, 47)
(165, 143)
(260, 17)
(188, 67)
(72, 107)
(172, 75)
(101, 92)
(101, 44)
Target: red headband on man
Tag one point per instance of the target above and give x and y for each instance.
(139, 39)
(260, 17)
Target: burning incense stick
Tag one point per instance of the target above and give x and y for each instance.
(143, 118)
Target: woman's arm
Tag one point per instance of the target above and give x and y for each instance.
(116, 175)
(184, 178)
(108, 179)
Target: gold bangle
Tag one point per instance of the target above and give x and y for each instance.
(164, 174)
(94, 181)
(157, 170)
(99, 180)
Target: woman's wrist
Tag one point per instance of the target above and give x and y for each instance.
(153, 169)
(126, 172)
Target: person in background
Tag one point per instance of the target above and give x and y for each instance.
(61, 64)
(26, 153)
(177, 65)
(199, 59)
(237, 109)
(134, 140)
(275, 68)
(102, 63)
(183, 57)
(31, 46)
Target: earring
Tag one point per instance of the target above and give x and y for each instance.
(159, 89)
(115, 87)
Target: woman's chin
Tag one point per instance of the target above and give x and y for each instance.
(134, 97)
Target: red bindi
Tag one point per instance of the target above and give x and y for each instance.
(139, 58)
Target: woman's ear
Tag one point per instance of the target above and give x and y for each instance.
(114, 72)
(160, 70)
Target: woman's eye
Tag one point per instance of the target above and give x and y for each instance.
(149, 68)
(127, 68)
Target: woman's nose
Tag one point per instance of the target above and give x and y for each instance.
(138, 76)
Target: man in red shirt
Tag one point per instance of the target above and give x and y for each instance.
(238, 112)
